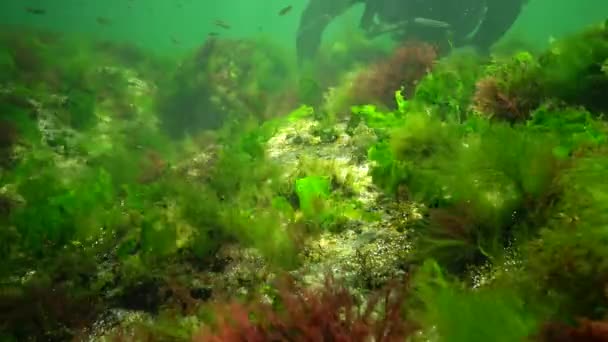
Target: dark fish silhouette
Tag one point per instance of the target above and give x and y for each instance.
(285, 10)
(213, 34)
(36, 11)
(103, 21)
(222, 24)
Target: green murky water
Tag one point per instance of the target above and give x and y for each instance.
(157, 24)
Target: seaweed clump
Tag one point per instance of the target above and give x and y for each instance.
(479, 195)
(570, 73)
(402, 70)
(511, 90)
(376, 83)
(224, 80)
(329, 314)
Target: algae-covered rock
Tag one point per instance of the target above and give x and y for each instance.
(572, 68)
(367, 258)
(372, 245)
(225, 80)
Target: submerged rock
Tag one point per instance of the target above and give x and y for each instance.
(366, 254)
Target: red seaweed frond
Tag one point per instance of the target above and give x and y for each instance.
(407, 65)
(491, 101)
(329, 314)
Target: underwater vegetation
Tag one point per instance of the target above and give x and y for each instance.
(219, 197)
(376, 83)
(312, 315)
(407, 65)
(226, 80)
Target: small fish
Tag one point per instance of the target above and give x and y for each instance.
(222, 24)
(103, 21)
(213, 34)
(285, 10)
(431, 23)
(36, 11)
(175, 41)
